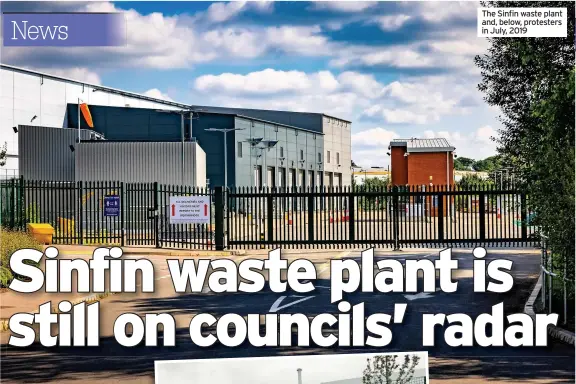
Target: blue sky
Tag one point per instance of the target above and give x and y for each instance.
(395, 69)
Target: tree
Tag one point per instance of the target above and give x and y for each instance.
(473, 180)
(489, 164)
(531, 80)
(386, 370)
(3, 151)
(463, 163)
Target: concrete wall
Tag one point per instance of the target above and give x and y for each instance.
(24, 95)
(141, 162)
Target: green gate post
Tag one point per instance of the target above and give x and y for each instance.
(219, 218)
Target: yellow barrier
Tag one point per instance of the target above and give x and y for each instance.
(42, 232)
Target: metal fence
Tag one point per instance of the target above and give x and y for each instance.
(78, 213)
(395, 217)
(344, 217)
(557, 294)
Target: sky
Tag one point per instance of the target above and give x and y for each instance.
(395, 69)
(318, 369)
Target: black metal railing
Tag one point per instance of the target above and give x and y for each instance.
(80, 213)
(396, 217)
(345, 217)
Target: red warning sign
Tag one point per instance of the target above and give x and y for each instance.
(190, 209)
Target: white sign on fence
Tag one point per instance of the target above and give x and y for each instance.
(189, 209)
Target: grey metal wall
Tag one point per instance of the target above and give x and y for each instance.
(140, 162)
(44, 152)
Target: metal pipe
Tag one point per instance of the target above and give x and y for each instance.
(299, 375)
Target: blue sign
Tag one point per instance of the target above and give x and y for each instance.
(112, 205)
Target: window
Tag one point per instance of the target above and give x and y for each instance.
(319, 157)
(328, 157)
(301, 154)
(281, 151)
(338, 158)
(239, 149)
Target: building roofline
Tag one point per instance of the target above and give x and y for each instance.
(338, 118)
(161, 101)
(99, 87)
(404, 143)
(276, 110)
(274, 123)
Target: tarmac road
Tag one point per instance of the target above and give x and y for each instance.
(110, 362)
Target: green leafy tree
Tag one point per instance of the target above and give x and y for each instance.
(463, 163)
(531, 80)
(472, 180)
(489, 164)
(386, 370)
(374, 184)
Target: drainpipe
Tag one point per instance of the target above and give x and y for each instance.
(299, 375)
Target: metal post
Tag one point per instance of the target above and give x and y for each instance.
(219, 218)
(182, 145)
(225, 161)
(79, 120)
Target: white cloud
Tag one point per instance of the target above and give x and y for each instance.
(392, 22)
(440, 11)
(379, 137)
(268, 81)
(157, 94)
(476, 145)
(221, 12)
(79, 74)
(423, 100)
(344, 6)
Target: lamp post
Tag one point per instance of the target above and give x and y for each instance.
(182, 114)
(225, 132)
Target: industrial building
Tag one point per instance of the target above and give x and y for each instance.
(425, 162)
(261, 147)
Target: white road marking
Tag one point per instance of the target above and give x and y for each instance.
(276, 306)
(421, 295)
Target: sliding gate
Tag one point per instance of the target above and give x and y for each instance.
(399, 217)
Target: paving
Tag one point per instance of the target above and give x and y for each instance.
(109, 362)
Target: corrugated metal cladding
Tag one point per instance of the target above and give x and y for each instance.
(140, 162)
(44, 152)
